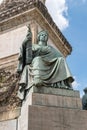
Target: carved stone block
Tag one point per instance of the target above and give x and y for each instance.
(52, 118)
(56, 101)
(8, 125)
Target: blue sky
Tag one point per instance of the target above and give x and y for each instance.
(76, 33)
(75, 30)
(71, 18)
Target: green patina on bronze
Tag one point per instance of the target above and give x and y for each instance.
(84, 99)
(46, 66)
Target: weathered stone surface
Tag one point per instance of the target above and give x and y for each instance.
(9, 63)
(42, 111)
(52, 118)
(23, 119)
(56, 101)
(8, 125)
(50, 97)
(49, 111)
(10, 115)
(56, 91)
(8, 90)
(12, 41)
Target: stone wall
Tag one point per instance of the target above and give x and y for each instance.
(8, 125)
(10, 41)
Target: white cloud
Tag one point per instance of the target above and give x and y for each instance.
(59, 11)
(1, 1)
(75, 84)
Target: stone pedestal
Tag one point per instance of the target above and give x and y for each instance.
(54, 118)
(53, 109)
(8, 125)
(47, 109)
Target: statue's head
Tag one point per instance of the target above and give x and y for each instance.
(43, 36)
(85, 90)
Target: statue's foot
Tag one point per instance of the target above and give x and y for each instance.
(38, 84)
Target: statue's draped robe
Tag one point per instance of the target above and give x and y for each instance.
(48, 68)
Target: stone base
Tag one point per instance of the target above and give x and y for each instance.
(8, 125)
(50, 108)
(56, 101)
(53, 109)
(55, 118)
(56, 91)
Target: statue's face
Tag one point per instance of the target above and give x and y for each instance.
(43, 37)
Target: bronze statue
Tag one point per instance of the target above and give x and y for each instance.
(84, 99)
(46, 67)
(25, 56)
